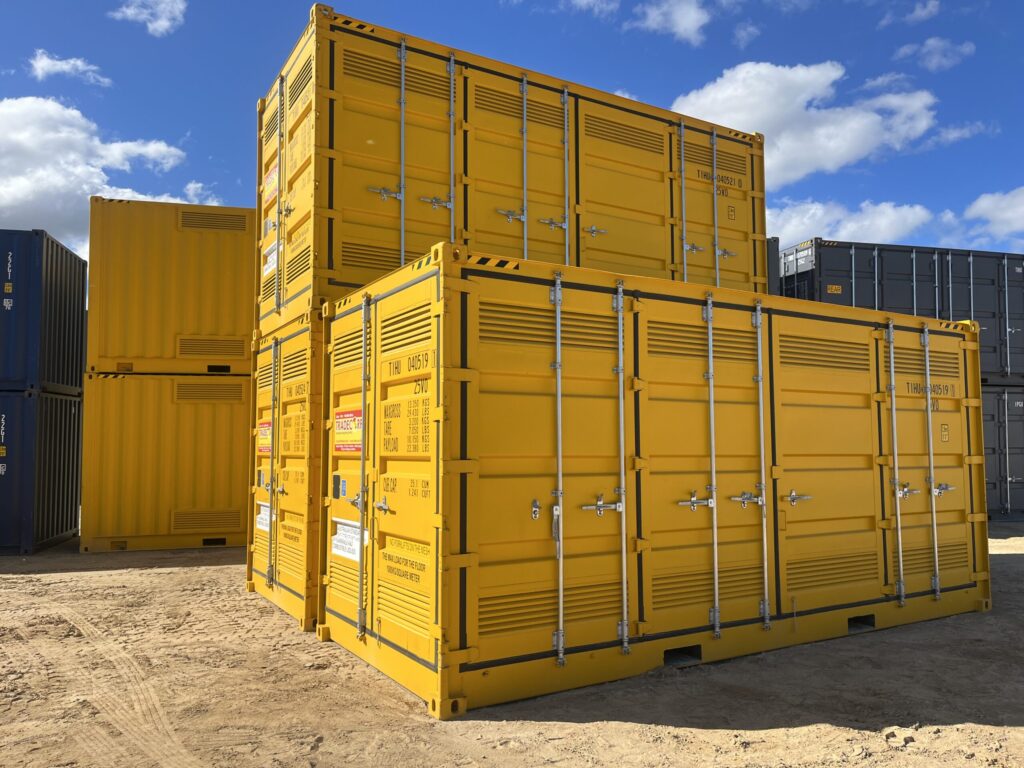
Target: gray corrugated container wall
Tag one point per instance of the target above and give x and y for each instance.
(40, 469)
(42, 313)
(952, 284)
(1003, 419)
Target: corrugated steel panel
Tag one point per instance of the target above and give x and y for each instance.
(544, 473)
(40, 469)
(1003, 410)
(165, 466)
(42, 313)
(286, 503)
(375, 145)
(953, 284)
(169, 287)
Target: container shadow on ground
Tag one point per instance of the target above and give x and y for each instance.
(1006, 529)
(961, 669)
(65, 558)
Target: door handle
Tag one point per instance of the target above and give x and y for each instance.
(747, 498)
(794, 497)
(594, 231)
(385, 193)
(437, 202)
(905, 491)
(693, 502)
(511, 216)
(382, 505)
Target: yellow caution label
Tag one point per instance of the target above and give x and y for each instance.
(838, 289)
(8, 287)
(3, 450)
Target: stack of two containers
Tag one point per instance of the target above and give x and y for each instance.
(575, 440)
(42, 345)
(166, 384)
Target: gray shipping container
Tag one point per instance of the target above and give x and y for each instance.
(945, 283)
(1003, 418)
(42, 313)
(40, 469)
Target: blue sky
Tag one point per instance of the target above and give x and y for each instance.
(889, 121)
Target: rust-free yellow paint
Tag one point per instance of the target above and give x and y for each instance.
(164, 461)
(374, 145)
(287, 495)
(164, 287)
(539, 478)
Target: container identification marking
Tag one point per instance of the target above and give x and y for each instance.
(263, 517)
(938, 390)
(348, 431)
(263, 436)
(833, 288)
(345, 541)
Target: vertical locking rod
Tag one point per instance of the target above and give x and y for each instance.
(1006, 311)
(874, 261)
(401, 151)
(890, 338)
(275, 354)
(970, 277)
(853, 275)
(935, 274)
(451, 147)
(620, 370)
(932, 484)
(1006, 447)
(713, 487)
(526, 221)
(364, 381)
(714, 201)
(565, 166)
(559, 493)
(949, 277)
(913, 270)
(279, 216)
(762, 487)
(682, 198)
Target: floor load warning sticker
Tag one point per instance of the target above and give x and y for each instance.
(345, 541)
(264, 434)
(348, 431)
(263, 516)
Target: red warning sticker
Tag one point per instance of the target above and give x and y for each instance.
(263, 436)
(348, 431)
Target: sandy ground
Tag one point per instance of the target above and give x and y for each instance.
(161, 659)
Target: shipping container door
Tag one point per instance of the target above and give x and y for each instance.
(348, 527)
(718, 168)
(909, 473)
(371, 210)
(263, 547)
(624, 197)
(404, 494)
(1013, 306)
(516, 142)
(898, 280)
(827, 485)
(1003, 412)
(513, 428)
(677, 426)
(984, 281)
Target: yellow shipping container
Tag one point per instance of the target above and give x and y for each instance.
(164, 283)
(164, 461)
(557, 476)
(374, 145)
(287, 495)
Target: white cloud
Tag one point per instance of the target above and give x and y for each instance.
(52, 158)
(43, 65)
(596, 7)
(887, 81)
(790, 6)
(805, 134)
(1001, 213)
(885, 222)
(744, 33)
(683, 19)
(198, 193)
(922, 12)
(161, 17)
(936, 54)
(950, 134)
(626, 94)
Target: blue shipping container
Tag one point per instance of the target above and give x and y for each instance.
(42, 313)
(40, 469)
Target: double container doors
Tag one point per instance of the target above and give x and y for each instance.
(604, 478)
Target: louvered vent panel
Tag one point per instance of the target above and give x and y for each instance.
(677, 340)
(295, 365)
(370, 257)
(679, 590)
(627, 135)
(290, 557)
(831, 354)
(405, 329)
(211, 346)
(298, 265)
(511, 105)
(210, 392)
(212, 520)
(297, 84)
(539, 610)
(821, 572)
(697, 154)
(910, 362)
(404, 606)
(952, 556)
(231, 222)
(270, 128)
(268, 287)
(265, 376)
(513, 324)
(388, 72)
(347, 349)
(344, 578)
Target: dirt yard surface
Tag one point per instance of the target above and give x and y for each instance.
(162, 659)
